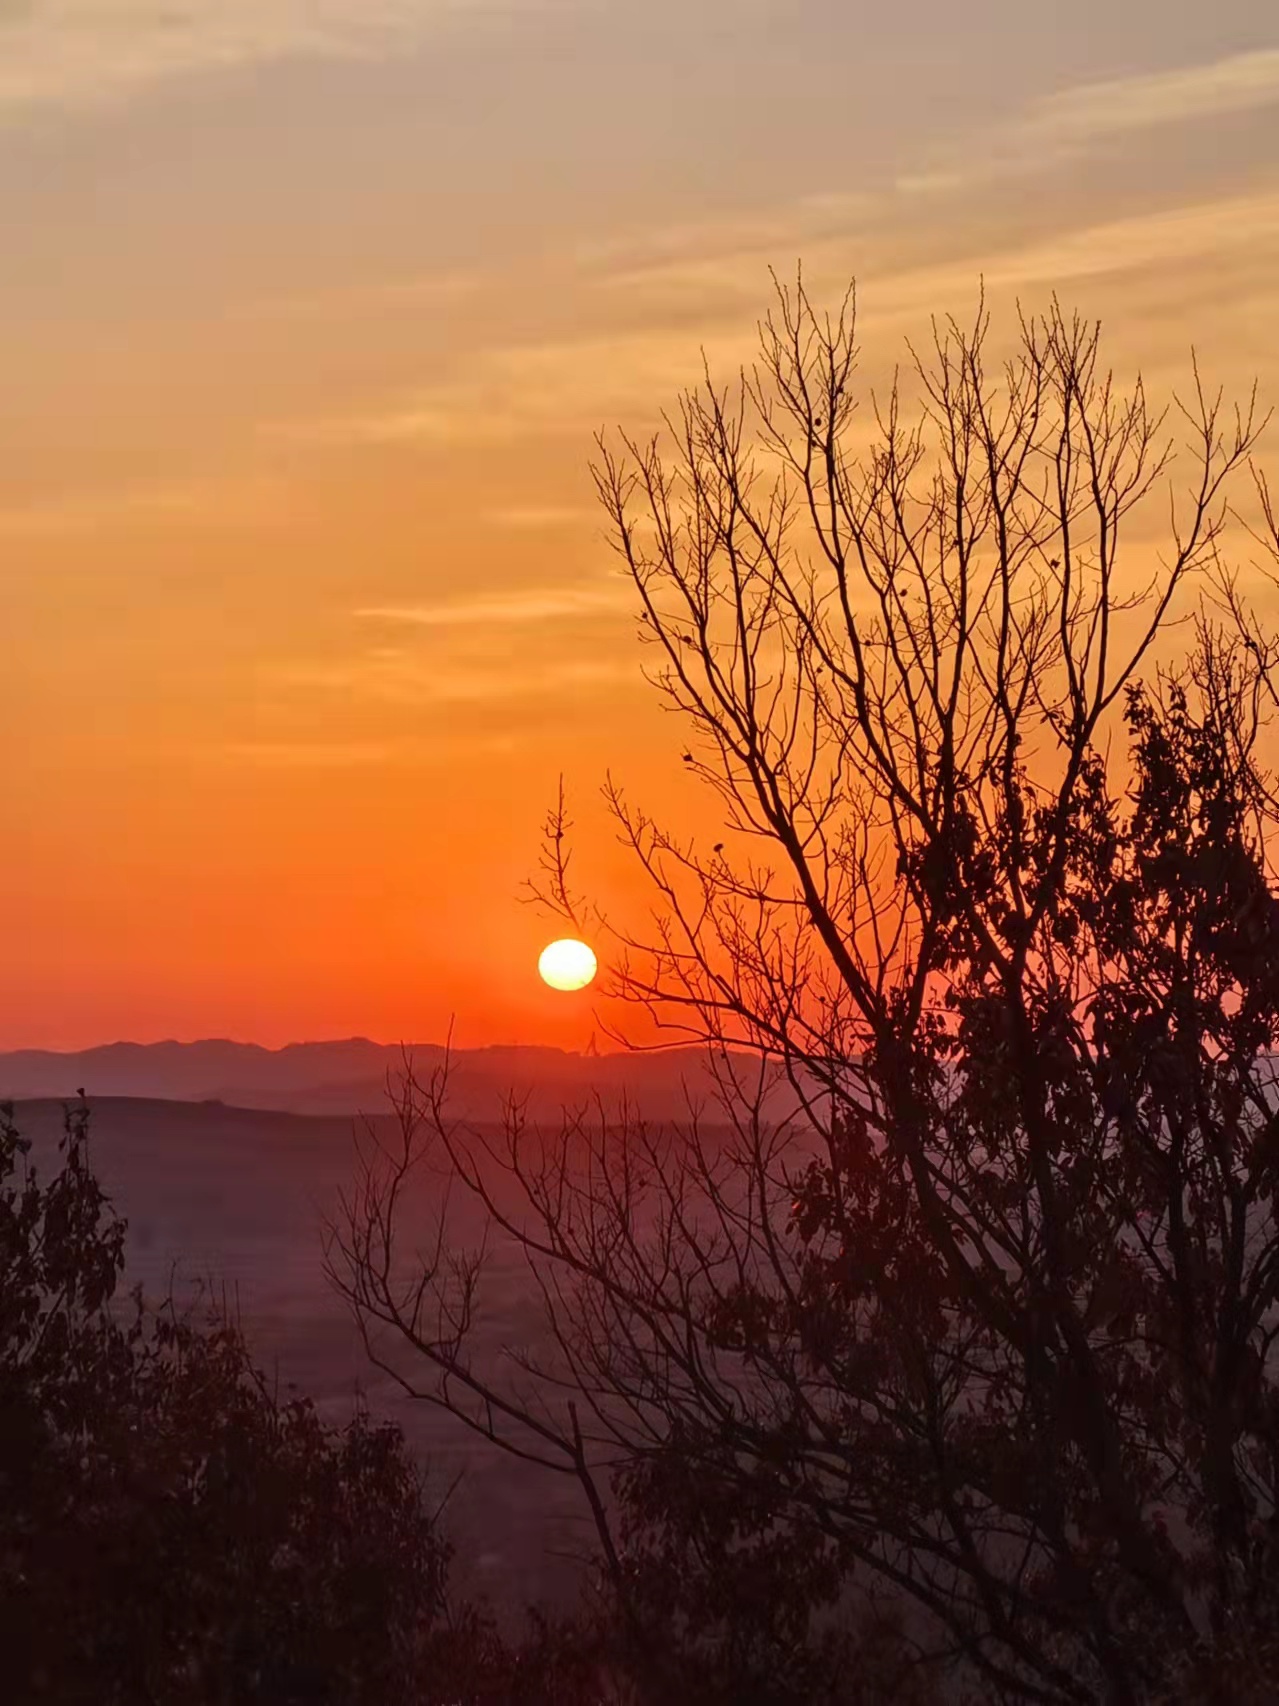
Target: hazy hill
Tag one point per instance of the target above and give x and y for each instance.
(238, 1197)
(349, 1077)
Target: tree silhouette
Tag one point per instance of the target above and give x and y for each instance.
(960, 1363)
(169, 1530)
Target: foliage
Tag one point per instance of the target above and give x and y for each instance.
(170, 1531)
(973, 1341)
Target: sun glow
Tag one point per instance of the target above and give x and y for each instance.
(567, 964)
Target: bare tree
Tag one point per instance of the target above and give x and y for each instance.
(982, 1317)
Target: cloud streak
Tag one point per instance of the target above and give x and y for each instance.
(78, 53)
(545, 604)
(1093, 110)
(436, 675)
(1060, 127)
(418, 683)
(211, 503)
(567, 387)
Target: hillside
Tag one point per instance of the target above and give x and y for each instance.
(350, 1076)
(238, 1198)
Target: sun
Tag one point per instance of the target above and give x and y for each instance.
(567, 964)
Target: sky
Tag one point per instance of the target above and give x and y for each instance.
(309, 312)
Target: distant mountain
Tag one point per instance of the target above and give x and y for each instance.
(191, 1072)
(350, 1076)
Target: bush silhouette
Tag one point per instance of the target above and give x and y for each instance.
(169, 1530)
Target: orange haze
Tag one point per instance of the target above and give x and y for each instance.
(305, 599)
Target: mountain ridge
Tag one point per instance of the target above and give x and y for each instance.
(349, 1075)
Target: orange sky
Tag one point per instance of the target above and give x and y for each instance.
(309, 313)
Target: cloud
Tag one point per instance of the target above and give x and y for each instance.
(418, 683)
(219, 503)
(1060, 127)
(515, 392)
(412, 293)
(1204, 233)
(534, 518)
(76, 53)
(354, 754)
(442, 674)
(639, 345)
(1093, 110)
(545, 604)
(508, 394)
(679, 288)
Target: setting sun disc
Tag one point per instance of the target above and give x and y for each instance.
(567, 964)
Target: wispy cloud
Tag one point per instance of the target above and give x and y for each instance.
(1091, 110)
(340, 755)
(569, 387)
(419, 683)
(412, 293)
(725, 256)
(536, 518)
(543, 604)
(445, 669)
(219, 503)
(1203, 234)
(72, 53)
(1061, 126)
(682, 288)
(505, 394)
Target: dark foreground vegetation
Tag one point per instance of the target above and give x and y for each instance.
(956, 1385)
(171, 1530)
